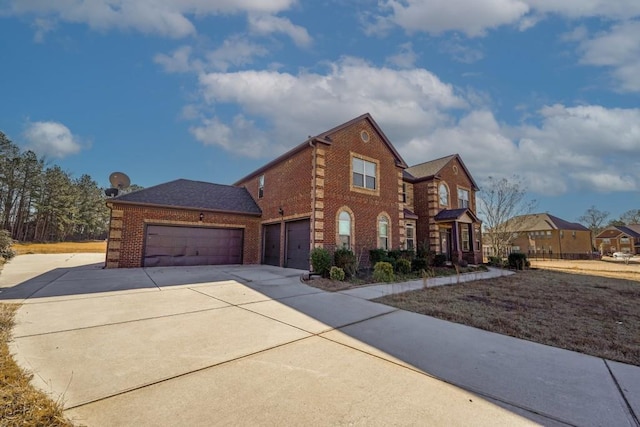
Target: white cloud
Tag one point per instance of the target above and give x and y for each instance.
(475, 17)
(179, 61)
(618, 49)
(269, 24)
(235, 51)
(163, 17)
(295, 106)
(472, 17)
(405, 58)
(571, 147)
(51, 139)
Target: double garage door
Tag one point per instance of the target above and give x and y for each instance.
(176, 246)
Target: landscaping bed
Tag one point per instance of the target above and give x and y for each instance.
(586, 313)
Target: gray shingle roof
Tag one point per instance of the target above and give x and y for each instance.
(450, 214)
(185, 193)
(430, 168)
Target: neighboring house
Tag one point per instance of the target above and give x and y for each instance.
(547, 235)
(619, 238)
(346, 187)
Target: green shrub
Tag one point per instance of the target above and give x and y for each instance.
(517, 260)
(383, 272)
(5, 245)
(346, 260)
(439, 260)
(403, 266)
(391, 261)
(408, 254)
(336, 273)
(394, 254)
(496, 261)
(419, 264)
(376, 255)
(321, 261)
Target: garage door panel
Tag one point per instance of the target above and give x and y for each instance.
(185, 246)
(298, 244)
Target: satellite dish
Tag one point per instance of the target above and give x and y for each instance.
(119, 180)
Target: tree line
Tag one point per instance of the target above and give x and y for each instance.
(44, 203)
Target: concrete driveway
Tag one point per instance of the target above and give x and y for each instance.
(252, 345)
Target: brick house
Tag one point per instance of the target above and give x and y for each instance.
(619, 238)
(347, 186)
(543, 234)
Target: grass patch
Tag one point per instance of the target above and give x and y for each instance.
(585, 313)
(93, 246)
(20, 403)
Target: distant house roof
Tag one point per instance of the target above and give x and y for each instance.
(632, 230)
(184, 193)
(432, 168)
(325, 138)
(545, 221)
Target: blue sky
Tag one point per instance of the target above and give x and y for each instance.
(210, 90)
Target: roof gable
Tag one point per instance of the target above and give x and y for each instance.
(326, 136)
(461, 214)
(184, 193)
(433, 168)
(631, 230)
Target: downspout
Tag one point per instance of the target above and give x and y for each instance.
(314, 166)
(106, 255)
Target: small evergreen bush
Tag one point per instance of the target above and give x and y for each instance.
(517, 261)
(383, 272)
(439, 260)
(321, 261)
(376, 255)
(336, 273)
(346, 260)
(419, 264)
(403, 266)
(496, 261)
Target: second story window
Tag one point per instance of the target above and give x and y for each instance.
(463, 198)
(443, 195)
(364, 174)
(404, 193)
(261, 186)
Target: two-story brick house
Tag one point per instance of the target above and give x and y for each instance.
(347, 186)
(619, 238)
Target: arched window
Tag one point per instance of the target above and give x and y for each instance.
(443, 194)
(383, 232)
(344, 229)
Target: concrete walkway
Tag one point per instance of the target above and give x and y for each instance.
(251, 345)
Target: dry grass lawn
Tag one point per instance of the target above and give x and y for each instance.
(20, 403)
(584, 312)
(95, 246)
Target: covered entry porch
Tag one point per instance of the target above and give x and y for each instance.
(459, 235)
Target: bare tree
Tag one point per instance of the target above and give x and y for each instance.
(503, 207)
(631, 216)
(594, 220)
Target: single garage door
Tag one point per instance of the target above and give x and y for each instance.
(271, 254)
(298, 242)
(175, 246)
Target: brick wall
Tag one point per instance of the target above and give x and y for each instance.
(125, 248)
(366, 206)
(558, 242)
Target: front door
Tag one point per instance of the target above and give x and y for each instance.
(446, 242)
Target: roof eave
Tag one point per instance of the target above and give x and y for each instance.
(187, 208)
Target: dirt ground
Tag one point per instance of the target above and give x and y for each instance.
(604, 268)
